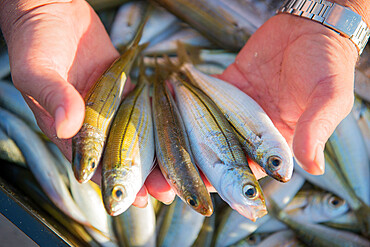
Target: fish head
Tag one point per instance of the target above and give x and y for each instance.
(278, 163)
(116, 199)
(86, 153)
(333, 206)
(243, 193)
(202, 205)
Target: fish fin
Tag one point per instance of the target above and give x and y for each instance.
(182, 53)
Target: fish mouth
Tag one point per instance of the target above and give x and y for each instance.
(251, 212)
(81, 169)
(279, 170)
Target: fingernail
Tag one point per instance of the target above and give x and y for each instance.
(60, 116)
(319, 159)
(169, 202)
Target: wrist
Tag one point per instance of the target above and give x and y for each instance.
(11, 11)
(361, 7)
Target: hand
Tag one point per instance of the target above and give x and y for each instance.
(57, 51)
(302, 74)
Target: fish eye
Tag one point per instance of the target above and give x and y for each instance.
(334, 201)
(92, 163)
(274, 162)
(192, 201)
(250, 191)
(118, 193)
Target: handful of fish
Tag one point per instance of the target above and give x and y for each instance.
(189, 123)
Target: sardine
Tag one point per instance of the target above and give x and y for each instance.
(332, 180)
(233, 227)
(40, 162)
(213, 19)
(12, 100)
(127, 22)
(129, 153)
(9, 151)
(318, 235)
(181, 225)
(350, 152)
(101, 104)
(309, 206)
(218, 152)
(136, 227)
(173, 151)
(258, 135)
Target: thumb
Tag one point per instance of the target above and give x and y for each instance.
(58, 97)
(319, 120)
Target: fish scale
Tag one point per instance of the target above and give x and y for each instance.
(173, 151)
(217, 150)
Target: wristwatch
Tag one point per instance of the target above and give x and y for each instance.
(334, 16)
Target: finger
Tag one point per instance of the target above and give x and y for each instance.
(141, 199)
(209, 186)
(317, 123)
(257, 170)
(58, 97)
(158, 187)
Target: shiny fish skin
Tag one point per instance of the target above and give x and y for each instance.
(174, 154)
(310, 206)
(217, 151)
(136, 227)
(350, 152)
(233, 227)
(322, 236)
(258, 135)
(129, 153)
(181, 225)
(213, 19)
(41, 163)
(127, 22)
(332, 180)
(9, 151)
(12, 100)
(101, 103)
(186, 36)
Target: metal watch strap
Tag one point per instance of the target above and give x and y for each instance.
(332, 15)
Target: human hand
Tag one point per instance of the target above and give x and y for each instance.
(57, 51)
(302, 74)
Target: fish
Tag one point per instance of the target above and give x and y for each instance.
(173, 150)
(101, 104)
(362, 85)
(349, 148)
(185, 35)
(88, 197)
(12, 100)
(259, 137)
(4, 64)
(181, 225)
(41, 163)
(361, 112)
(217, 151)
(310, 206)
(205, 235)
(129, 153)
(136, 226)
(315, 234)
(285, 238)
(127, 22)
(214, 19)
(234, 227)
(9, 151)
(332, 180)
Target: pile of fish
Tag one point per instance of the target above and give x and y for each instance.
(208, 126)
